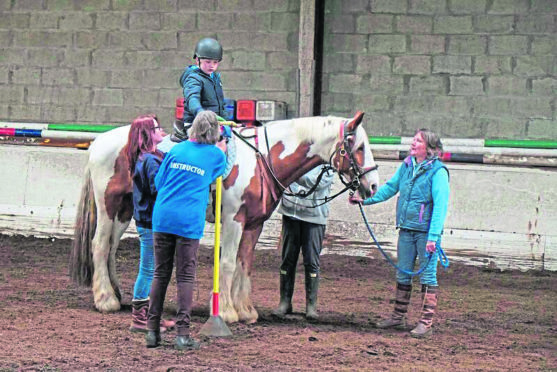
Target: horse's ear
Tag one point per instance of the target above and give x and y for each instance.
(356, 120)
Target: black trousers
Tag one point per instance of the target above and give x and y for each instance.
(301, 235)
(166, 247)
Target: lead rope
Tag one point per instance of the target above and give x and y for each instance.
(442, 257)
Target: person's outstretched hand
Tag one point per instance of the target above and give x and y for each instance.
(430, 246)
(355, 199)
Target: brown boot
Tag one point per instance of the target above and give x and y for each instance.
(139, 316)
(398, 317)
(429, 299)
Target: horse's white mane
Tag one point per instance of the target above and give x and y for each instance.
(321, 131)
(313, 129)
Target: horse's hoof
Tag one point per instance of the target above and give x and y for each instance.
(248, 317)
(110, 305)
(229, 317)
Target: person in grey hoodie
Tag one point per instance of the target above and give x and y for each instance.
(303, 228)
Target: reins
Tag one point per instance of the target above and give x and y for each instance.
(261, 156)
(442, 256)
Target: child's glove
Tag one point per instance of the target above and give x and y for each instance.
(225, 131)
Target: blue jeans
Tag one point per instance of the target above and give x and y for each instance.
(411, 244)
(146, 264)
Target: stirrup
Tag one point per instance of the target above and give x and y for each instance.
(180, 131)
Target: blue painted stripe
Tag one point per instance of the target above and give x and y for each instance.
(28, 132)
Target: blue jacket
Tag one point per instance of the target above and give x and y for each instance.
(144, 190)
(424, 196)
(303, 208)
(183, 188)
(201, 92)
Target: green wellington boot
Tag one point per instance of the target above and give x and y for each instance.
(286, 291)
(312, 286)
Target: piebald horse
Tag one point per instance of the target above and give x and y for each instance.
(269, 160)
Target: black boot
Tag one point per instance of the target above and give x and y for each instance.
(180, 132)
(186, 343)
(286, 291)
(153, 338)
(211, 205)
(312, 285)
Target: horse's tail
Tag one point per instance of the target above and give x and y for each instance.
(81, 258)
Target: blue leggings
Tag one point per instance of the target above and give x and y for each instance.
(411, 244)
(146, 264)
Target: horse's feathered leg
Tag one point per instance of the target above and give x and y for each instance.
(103, 292)
(241, 282)
(231, 234)
(105, 242)
(118, 230)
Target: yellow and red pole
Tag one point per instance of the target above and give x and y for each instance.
(216, 264)
(215, 325)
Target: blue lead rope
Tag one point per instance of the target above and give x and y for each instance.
(442, 256)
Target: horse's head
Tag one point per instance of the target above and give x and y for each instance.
(353, 159)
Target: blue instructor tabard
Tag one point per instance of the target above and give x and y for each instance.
(181, 180)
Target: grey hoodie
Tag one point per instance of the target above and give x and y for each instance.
(297, 208)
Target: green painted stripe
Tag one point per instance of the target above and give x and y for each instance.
(531, 144)
(82, 127)
(385, 140)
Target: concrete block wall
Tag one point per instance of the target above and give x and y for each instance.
(108, 61)
(466, 68)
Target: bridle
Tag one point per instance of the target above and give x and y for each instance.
(345, 159)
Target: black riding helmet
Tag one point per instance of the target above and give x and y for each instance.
(208, 48)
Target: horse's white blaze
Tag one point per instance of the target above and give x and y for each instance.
(361, 137)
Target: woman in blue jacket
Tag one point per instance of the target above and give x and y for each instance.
(179, 220)
(422, 182)
(144, 161)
